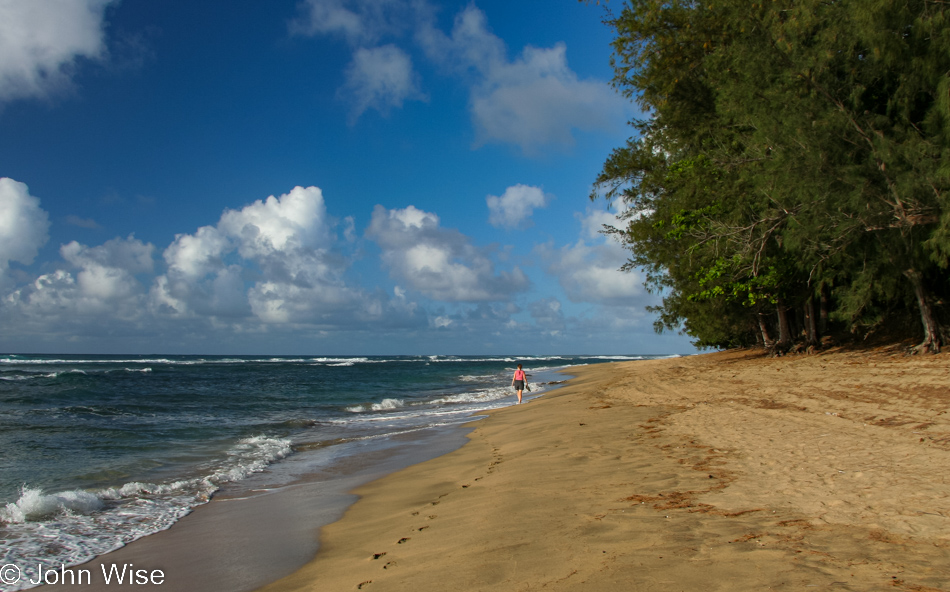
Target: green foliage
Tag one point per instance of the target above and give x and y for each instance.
(787, 145)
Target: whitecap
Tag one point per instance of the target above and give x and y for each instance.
(384, 405)
(34, 505)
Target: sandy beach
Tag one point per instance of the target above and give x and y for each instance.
(727, 471)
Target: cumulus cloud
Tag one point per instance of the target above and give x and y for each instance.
(130, 254)
(531, 101)
(286, 238)
(515, 206)
(293, 222)
(273, 262)
(379, 78)
(40, 41)
(100, 286)
(441, 263)
(24, 225)
(589, 270)
(271, 265)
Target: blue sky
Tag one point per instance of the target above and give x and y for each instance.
(311, 176)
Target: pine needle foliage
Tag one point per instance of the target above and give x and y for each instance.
(791, 170)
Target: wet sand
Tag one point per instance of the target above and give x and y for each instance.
(257, 530)
(727, 471)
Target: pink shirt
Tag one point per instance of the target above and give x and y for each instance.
(519, 374)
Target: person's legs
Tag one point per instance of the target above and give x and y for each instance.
(519, 396)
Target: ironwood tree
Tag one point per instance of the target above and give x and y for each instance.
(791, 167)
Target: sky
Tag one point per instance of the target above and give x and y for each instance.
(346, 177)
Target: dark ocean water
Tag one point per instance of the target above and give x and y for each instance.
(98, 451)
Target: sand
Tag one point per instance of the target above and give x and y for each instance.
(727, 471)
(262, 528)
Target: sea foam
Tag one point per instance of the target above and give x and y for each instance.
(384, 405)
(85, 524)
(35, 505)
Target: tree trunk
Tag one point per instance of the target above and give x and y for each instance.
(931, 342)
(764, 330)
(823, 313)
(811, 331)
(798, 323)
(784, 337)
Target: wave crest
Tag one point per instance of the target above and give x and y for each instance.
(384, 405)
(35, 505)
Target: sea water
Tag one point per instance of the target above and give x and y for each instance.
(98, 451)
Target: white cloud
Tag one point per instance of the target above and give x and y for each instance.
(288, 240)
(593, 223)
(591, 272)
(273, 265)
(129, 254)
(195, 255)
(103, 288)
(439, 262)
(295, 221)
(40, 41)
(272, 262)
(379, 78)
(515, 206)
(532, 101)
(358, 21)
(198, 281)
(24, 225)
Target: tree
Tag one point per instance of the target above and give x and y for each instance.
(787, 147)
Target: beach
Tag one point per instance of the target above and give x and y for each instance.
(725, 471)
(217, 471)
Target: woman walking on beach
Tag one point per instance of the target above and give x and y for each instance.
(519, 381)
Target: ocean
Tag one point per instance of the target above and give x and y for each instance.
(98, 451)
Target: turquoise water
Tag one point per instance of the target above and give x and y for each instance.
(101, 450)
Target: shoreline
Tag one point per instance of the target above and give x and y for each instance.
(724, 471)
(262, 528)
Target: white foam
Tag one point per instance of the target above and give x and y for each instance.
(116, 361)
(384, 405)
(333, 361)
(72, 527)
(34, 376)
(445, 359)
(479, 396)
(249, 455)
(470, 378)
(35, 505)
